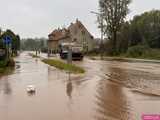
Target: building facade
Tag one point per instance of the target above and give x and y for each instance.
(55, 38)
(76, 33)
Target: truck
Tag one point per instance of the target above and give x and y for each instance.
(76, 50)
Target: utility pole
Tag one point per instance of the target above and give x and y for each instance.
(69, 59)
(101, 18)
(102, 28)
(48, 49)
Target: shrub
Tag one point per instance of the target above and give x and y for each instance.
(137, 51)
(3, 63)
(152, 54)
(11, 63)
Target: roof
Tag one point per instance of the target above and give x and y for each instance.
(78, 24)
(59, 34)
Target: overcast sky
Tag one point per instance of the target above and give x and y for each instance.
(37, 18)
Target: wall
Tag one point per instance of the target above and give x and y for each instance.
(82, 36)
(53, 45)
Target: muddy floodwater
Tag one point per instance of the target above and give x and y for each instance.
(109, 90)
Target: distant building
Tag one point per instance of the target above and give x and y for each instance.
(76, 32)
(56, 37)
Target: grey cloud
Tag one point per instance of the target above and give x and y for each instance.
(36, 18)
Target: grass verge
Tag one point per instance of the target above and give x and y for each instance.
(64, 66)
(2, 70)
(6, 70)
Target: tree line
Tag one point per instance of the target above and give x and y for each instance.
(138, 37)
(34, 44)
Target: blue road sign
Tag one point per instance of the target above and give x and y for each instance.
(7, 40)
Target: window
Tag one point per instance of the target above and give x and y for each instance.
(75, 40)
(83, 32)
(92, 37)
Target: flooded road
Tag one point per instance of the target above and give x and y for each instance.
(109, 90)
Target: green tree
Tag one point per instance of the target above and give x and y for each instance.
(33, 44)
(145, 29)
(114, 12)
(123, 38)
(15, 44)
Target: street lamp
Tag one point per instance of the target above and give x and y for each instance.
(100, 15)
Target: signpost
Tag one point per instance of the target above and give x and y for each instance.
(69, 55)
(2, 54)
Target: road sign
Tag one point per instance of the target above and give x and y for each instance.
(7, 40)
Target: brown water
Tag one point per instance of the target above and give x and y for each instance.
(109, 90)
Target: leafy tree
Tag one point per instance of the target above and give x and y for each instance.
(145, 29)
(123, 38)
(114, 13)
(15, 44)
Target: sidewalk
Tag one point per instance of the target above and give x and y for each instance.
(126, 59)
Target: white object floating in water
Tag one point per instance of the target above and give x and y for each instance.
(31, 89)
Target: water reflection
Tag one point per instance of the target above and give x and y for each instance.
(5, 86)
(69, 87)
(53, 74)
(30, 94)
(76, 97)
(112, 99)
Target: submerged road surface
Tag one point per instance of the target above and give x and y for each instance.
(110, 90)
